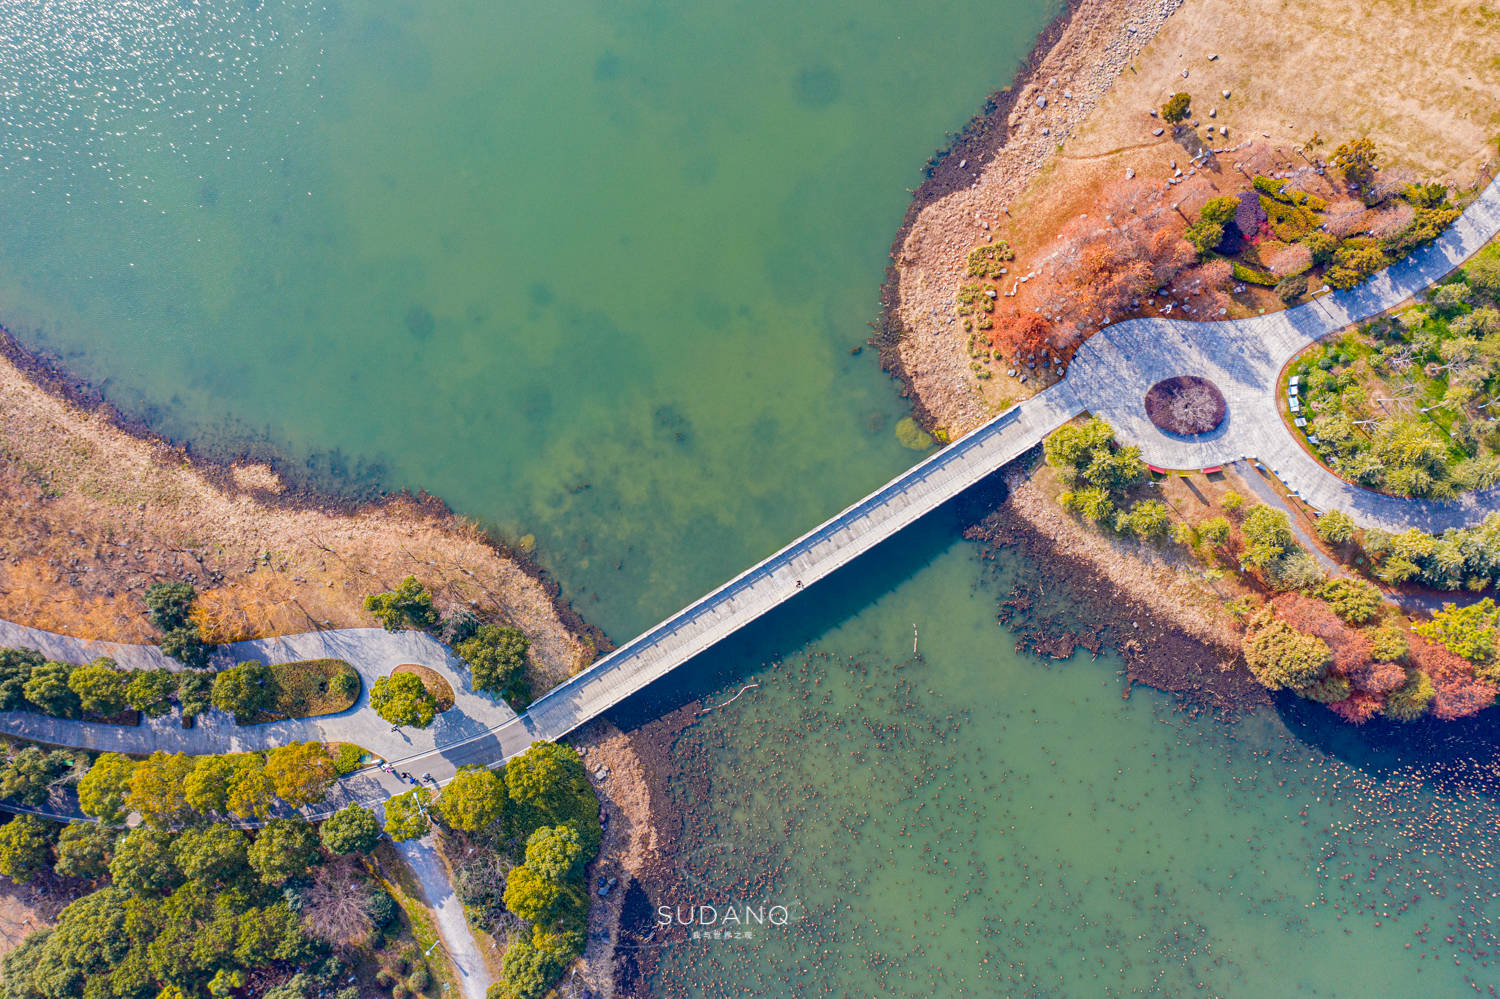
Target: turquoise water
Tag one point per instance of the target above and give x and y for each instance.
(590, 271)
(974, 823)
(594, 271)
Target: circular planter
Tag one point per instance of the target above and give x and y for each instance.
(1186, 405)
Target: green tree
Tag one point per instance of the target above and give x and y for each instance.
(150, 691)
(529, 895)
(15, 669)
(402, 699)
(156, 791)
(1073, 445)
(47, 689)
(1465, 631)
(24, 844)
(1208, 231)
(251, 790)
(525, 972)
(194, 693)
(1091, 502)
(100, 687)
(1268, 533)
(170, 604)
(103, 791)
(554, 852)
(245, 691)
(406, 815)
(409, 605)
(1483, 272)
(212, 855)
(1214, 531)
(474, 799)
(1388, 644)
(1354, 600)
(143, 863)
(284, 849)
(1281, 656)
(302, 772)
(1409, 702)
(1356, 259)
(547, 777)
(1355, 159)
(497, 661)
(186, 645)
(1177, 108)
(1335, 527)
(206, 787)
(84, 850)
(1147, 520)
(351, 829)
(27, 777)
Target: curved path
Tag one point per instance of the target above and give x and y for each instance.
(1109, 377)
(1113, 369)
(371, 651)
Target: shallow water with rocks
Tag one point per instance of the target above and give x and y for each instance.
(975, 822)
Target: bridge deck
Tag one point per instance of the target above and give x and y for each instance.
(817, 554)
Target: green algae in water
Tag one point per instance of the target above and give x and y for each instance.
(972, 823)
(911, 435)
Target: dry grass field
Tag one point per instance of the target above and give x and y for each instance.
(1420, 79)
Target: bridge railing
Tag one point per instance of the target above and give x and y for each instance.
(780, 559)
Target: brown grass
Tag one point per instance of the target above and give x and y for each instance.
(1421, 81)
(433, 681)
(93, 516)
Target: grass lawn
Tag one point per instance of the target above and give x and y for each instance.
(311, 687)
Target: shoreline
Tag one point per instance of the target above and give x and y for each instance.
(944, 176)
(49, 376)
(991, 133)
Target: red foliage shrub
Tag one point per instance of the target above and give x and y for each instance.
(1103, 265)
(1358, 707)
(1377, 678)
(1459, 693)
(1351, 650)
(1025, 334)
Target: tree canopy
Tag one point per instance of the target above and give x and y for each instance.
(245, 691)
(351, 829)
(497, 660)
(406, 814)
(474, 799)
(402, 699)
(409, 605)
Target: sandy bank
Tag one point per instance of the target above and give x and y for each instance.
(97, 512)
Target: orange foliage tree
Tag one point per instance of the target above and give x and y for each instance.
(1103, 265)
(1020, 333)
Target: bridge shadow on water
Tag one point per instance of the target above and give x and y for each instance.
(804, 619)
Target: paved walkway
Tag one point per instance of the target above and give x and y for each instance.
(1244, 357)
(452, 924)
(1109, 377)
(373, 652)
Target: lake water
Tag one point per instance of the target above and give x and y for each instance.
(590, 271)
(594, 272)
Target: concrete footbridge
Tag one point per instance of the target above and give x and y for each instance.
(1108, 376)
(748, 596)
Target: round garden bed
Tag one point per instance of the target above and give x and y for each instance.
(1186, 405)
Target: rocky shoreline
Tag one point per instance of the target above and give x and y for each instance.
(1064, 592)
(992, 160)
